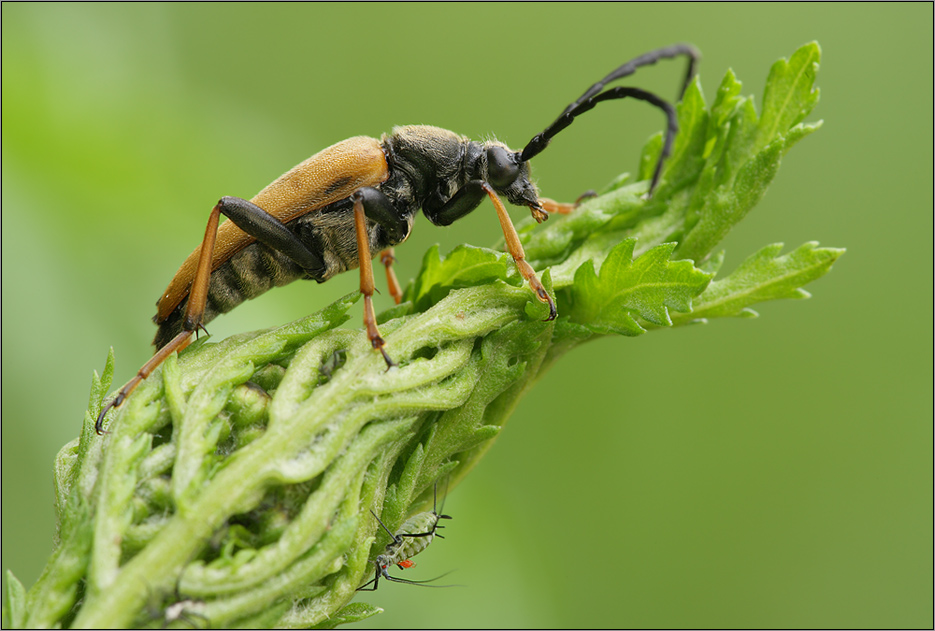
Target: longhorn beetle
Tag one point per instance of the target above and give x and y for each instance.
(413, 537)
(330, 213)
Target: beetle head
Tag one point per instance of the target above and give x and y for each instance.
(509, 175)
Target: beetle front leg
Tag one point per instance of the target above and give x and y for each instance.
(467, 199)
(564, 208)
(366, 277)
(515, 248)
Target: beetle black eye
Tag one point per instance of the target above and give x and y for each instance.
(502, 169)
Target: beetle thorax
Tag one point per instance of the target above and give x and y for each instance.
(424, 161)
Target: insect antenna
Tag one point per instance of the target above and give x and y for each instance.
(380, 521)
(596, 93)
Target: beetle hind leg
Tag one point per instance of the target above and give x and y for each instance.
(192, 322)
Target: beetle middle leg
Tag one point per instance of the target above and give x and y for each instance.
(369, 203)
(373, 204)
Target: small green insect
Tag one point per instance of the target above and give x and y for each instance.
(413, 537)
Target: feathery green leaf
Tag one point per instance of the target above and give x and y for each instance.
(764, 276)
(646, 287)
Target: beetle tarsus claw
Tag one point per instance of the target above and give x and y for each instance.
(389, 361)
(99, 423)
(553, 311)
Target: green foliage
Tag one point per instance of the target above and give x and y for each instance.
(646, 287)
(235, 485)
(466, 266)
(765, 276)
(14, 603)
(355, 612)
(741, 152)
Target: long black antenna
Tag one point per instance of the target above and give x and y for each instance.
(596, 93)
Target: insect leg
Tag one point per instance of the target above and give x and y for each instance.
(379, 209)
(467, 199)
(387, 257)
(257, 223)
(178, 343)
(461, 203)
(380, 571)
(552, 206)
(268, 230)
(366, 276)
(194, 311)
(375, 581)
(515, 248)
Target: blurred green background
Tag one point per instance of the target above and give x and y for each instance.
(752, 473)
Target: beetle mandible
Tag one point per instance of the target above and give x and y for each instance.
(329, 214)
